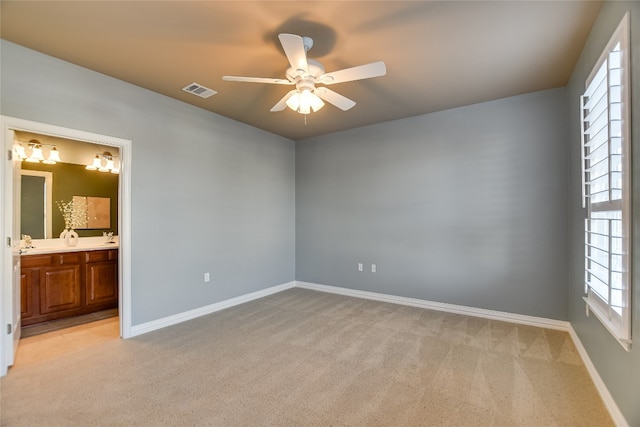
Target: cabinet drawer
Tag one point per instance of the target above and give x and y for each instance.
(36, 261)
(101, 256)
(66, 258)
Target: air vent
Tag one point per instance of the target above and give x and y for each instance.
(199, 90)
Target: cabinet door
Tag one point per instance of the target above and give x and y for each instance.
(59, 288)
(101, 283)
(26, 293)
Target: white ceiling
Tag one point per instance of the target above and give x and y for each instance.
(439, 54)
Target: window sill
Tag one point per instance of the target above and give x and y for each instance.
(596, 309)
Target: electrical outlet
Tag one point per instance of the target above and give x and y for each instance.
(360, 266)
(207, 277)
(374, 268)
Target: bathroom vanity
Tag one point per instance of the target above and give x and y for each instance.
(58, 282)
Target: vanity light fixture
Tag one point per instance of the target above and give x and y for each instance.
(37, 155)
(103, 163)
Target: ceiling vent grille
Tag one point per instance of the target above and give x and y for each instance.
(199, 90)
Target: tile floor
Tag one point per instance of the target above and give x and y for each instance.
(45, 346)
(54, 325)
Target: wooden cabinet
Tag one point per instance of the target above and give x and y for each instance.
(68, 284)
(101, 272)
(59, 288)
(26, 294)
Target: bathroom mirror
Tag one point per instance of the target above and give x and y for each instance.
(69, 180)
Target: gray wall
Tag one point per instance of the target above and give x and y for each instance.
(465, 206)
(208, 193)
(478, 206)
(619, 369)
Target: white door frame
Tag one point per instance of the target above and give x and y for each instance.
(7, 127)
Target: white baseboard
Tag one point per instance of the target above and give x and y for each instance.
(540, 322)
(153, 325)
(613, 409)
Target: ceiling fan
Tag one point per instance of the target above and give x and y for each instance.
(306, 73)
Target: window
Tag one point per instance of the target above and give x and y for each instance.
(606, 154)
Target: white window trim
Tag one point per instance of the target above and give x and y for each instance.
(618, 325)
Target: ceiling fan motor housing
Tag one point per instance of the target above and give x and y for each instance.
(315, 70)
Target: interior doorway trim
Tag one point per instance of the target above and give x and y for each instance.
(7, 126)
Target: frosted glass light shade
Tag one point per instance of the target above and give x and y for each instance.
(36, 154)
(54, 156)
(305, 101)
(108, 167)
(294, 101)
(97, 164)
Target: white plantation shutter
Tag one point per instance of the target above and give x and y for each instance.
(605, 113)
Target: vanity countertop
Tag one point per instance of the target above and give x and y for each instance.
(79, 247)
(51, 246)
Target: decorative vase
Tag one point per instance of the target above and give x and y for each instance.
(69, 236)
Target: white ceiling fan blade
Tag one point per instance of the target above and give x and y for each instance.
(282, 104)
(257, 80)
(293, 46)
(367, 71)
(340, 101)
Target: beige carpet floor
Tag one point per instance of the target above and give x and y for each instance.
(305, 358)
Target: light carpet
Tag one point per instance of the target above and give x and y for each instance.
(306, 358)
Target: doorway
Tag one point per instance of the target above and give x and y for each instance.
(11, 293)
(66, 286)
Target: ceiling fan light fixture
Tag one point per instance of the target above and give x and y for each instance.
(304, 101)
(305, 73)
